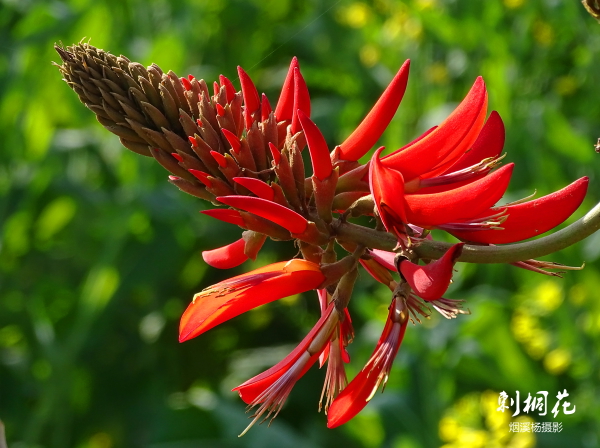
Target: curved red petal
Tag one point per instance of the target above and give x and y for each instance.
(265, 108)
(448, 141)
(301, 99)
(460, 204)
(226, 215)
(229, 88)
(226, 257)
(431, 281)
(285, 217)
(532, 218)
(387, 188)
(364, 137)
(317, 146)
(237, 295)
(233, 140)
(285, 106)
(356, 395)
(250, 94)
(489, 143)
(252, 388)
(256, 186)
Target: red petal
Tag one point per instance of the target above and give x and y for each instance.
(252, 388)
(256, 186)
(489, 143)
(354, 397)
(531, 218)
(226, 257)
(460, 204)
(186, 84)
(226, 215)
(431, 281)
(219, 158)
(201, 176)
(250, 94)
(285, 105)
(301, 99)
(387, 188)
(317, 146)
(229, 89)
(233, 140)
(370, 129)
(449, 140)
(265, 108)
(286, 218)
(237, 295)
(275, 153)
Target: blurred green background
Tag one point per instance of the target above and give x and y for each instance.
(100, 255)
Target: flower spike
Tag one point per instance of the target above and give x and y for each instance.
(235, 296)
(364, 137)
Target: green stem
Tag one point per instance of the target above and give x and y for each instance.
(508, 253)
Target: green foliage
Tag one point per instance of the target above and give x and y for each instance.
(100, 255)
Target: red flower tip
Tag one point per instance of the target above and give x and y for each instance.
(387, 188)
(445, 143)
(235, 296)
(459, 204)
(275, 153)
(177, 156)
(317, 146)
(191, 77)
(186, 84)
(225, 215)
(375, 373)
(220, 110)
(233, 140)
(489, 143)
(364, 137)
(199, 122)
(219, 158)
(226, 257)
(431, 281)
(174, 178)
(271, 388)
(532, 218)
(193, 141)
(216, 89)
(285, 217)
(229, 89)
(256, 186)
(285, 106)
(301, 99)
(265, 108)
(201, 176)
(250, 94)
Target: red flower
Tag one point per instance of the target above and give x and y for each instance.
(375, 373)
(431, 281)
(271, 388)
(237, 295)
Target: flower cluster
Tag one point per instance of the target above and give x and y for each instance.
(234, 149)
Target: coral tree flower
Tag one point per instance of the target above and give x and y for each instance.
(375, 373)
(237, 295)
(233, 149)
